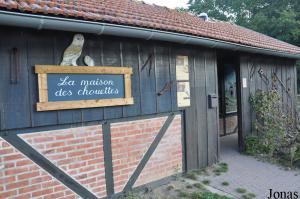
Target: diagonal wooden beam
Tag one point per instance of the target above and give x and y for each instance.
(48, 166)
(148, 154)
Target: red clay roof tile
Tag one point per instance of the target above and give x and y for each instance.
(133, 13)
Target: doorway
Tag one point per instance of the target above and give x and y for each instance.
(228, 79)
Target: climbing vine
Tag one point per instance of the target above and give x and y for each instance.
(276, 129)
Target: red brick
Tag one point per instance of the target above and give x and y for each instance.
(59, 188)
(75, 141)
(51, 183)
(5, 144)
(84, 146)
(6, 151)
(6, 180)
(76, 153)
(77, 165)
(67, 148)
(54, 195)
(15, 171)
(64, 137)
(23, 196)
(57, 156)
(41, 179)
(12, 157)
(30, 188)
(17, 185)
(23, 163)
(8, 194)
(43, 139)
(42, 192)
(28, 175)
(55, 144)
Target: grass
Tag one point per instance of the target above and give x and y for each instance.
(207, 195)
(170, 187)
(199, 186)
(191, 175)
(225, 184)
(221, 168)
(252, 195)
(189, 186)
(203, 172)
(241, 190)
(249, 196)
(183, 194)
(206, 182)
(130, 195)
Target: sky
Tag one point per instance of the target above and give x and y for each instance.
(168, 3)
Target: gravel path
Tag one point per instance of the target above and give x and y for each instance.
(255, 176)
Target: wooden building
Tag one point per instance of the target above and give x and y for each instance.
(168, 69)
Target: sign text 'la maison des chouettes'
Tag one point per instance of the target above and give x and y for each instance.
(71, 87)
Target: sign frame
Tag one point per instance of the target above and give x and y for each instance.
(45, 105)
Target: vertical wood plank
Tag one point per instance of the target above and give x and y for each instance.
(191, 119)
(283, 79)
(212, 118)
(252, 84)
(40, 50)
(162, 78)
(258, 84)
(172, 68)
(14, 98)
(278, 74)
(130, 58)
(245, 94)
(111, 54)
(201, 107)
(148, 83)
(264, 77)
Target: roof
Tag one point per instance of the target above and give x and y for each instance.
(138, 14)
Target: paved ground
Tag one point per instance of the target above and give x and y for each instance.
(255, 176)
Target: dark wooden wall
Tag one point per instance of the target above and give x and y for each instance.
(202, 123)
(18, 101)
(285, 69)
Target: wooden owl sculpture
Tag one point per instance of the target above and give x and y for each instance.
(73, 52)
(89, 61)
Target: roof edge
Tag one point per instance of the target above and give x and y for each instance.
(74, 25)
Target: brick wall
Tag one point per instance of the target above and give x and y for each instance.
(20, 178)
(79, 153)
(131, 140)
(167, 158)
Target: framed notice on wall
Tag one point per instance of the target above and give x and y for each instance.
(183, 94)
(182, 68)
(72, 87)
(183, 83)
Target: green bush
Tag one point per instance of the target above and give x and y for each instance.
(253, 146)
(277, 134)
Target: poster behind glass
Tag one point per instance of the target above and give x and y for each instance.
(230, 89)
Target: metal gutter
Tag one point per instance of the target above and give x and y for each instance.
(57, 23)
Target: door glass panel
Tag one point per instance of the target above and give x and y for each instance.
(230, 89)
